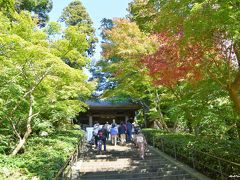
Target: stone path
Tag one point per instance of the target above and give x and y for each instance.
(122, 162)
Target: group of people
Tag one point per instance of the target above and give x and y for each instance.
(122, 132)
(115, 132)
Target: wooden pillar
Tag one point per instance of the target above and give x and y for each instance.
(90, 121)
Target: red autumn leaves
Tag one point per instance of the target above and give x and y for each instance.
(174, 61)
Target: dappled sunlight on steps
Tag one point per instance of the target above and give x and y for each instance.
(122, 162)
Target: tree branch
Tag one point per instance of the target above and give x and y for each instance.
(30, 91)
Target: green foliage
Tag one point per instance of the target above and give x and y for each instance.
(75, 15)
(187, 145)
(208, 106)
(198, 19)
(40, 92)
(6, 141)
(43, 156)
(29, 66)
(210, 115)
(7, 7)
(40, 8)
(43, 126)
(52, 28)
(122, 58)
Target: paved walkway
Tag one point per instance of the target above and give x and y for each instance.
(122, 162)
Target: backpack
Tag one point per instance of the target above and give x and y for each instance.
(100, 134)
(139, 139)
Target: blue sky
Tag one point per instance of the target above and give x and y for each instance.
(97, 9)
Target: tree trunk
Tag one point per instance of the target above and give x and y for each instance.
(158, 106)
(145, 109)
(163, 123)
(157, 124)
(20, 144)
(234, 90)
(189, 126)
(238, 129)
(23, 140)
(189, 119)
(236, 101)
(145, 118)
(189, 122)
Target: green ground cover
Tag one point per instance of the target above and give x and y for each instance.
(43, 156)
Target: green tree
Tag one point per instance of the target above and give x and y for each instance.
(123, 62)
(213, 24)
(76, 15)
(52, 29)
(40, 8)
(72, 48)
(35, 84)
(7, 7)
(103, 78)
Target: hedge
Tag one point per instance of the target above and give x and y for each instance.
(199, 152)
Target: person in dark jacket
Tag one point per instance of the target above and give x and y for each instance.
(122, 133)
(129, 131)
(102, 136)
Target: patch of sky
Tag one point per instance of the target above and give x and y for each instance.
(97, 9)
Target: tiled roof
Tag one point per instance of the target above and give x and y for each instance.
(112, 104)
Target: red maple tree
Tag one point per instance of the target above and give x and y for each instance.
(173, 61)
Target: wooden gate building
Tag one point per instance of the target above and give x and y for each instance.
(104, 111)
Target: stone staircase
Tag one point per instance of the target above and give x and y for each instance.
(123, 162)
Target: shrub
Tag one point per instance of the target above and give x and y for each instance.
(205, 154)
(43, 156)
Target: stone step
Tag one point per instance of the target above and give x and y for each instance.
(108, 165)
(137, 176)
(131, 153)
(124, 163)
(117, 154)
(128, 163)
(133, 159)
(157, 171)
